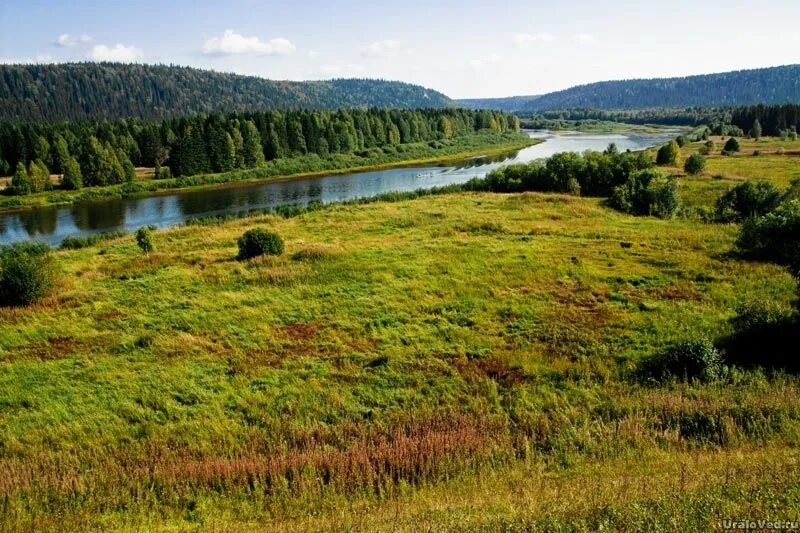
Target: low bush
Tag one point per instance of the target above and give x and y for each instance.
(144, 239)
(748, 199)
(731, 147)
(647, 192)
(766, 335)
(694, 360)
(774, 236)
(259, 241)
(695, 164)
(27, 273)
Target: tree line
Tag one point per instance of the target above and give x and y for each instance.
(101, 153)
(112, 91)
(773, 120)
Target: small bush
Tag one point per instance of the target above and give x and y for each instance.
(669, 155)
(27, 273)
(748, 199)
(774, 237)
(695, 164)
(696, 360)
(258, 241)
(731, 147)
(766, 335)
(647, 192)
(144, 239)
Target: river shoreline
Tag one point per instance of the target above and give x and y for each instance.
(118, 192)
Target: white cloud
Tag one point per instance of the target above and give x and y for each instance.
(384, 48)
(232, 43)
(66, 40)
(312, 54)
(533, 38)
(584, 38)
(120, 53)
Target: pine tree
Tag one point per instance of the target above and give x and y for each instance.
(253, 154)
(72, 178)
(21, 181)
(756, 132)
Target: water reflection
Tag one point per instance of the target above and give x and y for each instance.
(53, 224)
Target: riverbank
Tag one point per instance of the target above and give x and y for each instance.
(405, 155)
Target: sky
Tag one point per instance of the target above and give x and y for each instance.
(464, 48)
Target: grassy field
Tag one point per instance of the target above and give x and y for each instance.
(412, 154)
(455, 361)
(724, 172)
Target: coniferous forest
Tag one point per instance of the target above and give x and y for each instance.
(104, 153)
(80, 91)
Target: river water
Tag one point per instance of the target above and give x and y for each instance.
(53, 224)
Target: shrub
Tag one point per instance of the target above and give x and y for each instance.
(258, 241)
(695, 164)
(647, 192)
(765, 334)
(144, 239)
(695, 360)
(669, 155)
(731, 147)
(27, 273)
(748, 199)
(774, 236)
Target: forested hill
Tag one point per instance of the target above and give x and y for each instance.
(73, 91)
(775, 85)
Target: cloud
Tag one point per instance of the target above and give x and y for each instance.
(65, 40)
(584, 38)
(384, 48)
(533, 38)
(232, 43)
(40, 58)
(119, 53)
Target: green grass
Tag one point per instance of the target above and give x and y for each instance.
(413, 154)
(451, 361)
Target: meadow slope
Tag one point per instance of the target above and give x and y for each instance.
(452, 361)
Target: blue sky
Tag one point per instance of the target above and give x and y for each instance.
(464, 49)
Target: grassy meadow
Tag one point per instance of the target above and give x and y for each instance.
(778, 161)
(450, 362)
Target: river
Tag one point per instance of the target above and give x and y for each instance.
(53, 224)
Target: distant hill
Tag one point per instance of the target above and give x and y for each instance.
(71, 91)
(509, 104)
(775, 85)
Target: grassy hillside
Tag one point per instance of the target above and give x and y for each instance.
(456, 361)
(775, 85)
(75, 91)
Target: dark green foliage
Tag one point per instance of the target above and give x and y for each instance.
(72, 178)
(731, 146)
(695, 164)
(647, 192)
(27, 273)
(144, 239)
(590, 174)
(774, 236)
(764, 335)
(21, 181)
(695, 360)
(108, 151)
(744, 87)
(76, 243)
(669, 154)
(768, 119)
(79, 91)
(748, 199)
(259, 241)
